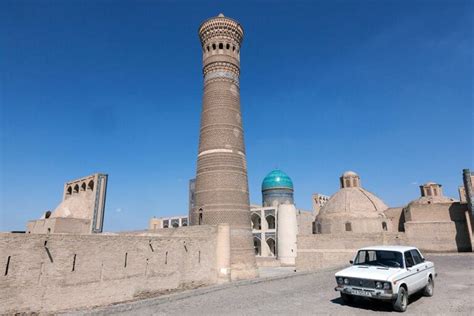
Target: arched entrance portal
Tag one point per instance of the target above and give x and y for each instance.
(256, 221)
(271, 246)
(257, 245)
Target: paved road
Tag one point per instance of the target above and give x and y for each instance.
(306, 294)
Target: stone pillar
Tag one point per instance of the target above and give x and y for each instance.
(221, 192)
(287, 231)
(223, 253)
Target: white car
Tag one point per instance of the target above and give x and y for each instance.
(389, 273)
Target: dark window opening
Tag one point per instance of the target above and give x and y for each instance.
(200, 217)
(272, 245)
(221, 46)
(348, 227)
(76, 188)
(271, 221)
(69, 191)
(384, 226)
(257, 246)
(83, 186)
(213, 46)
(233, 48)
(207, 47)
(90, 186)
(227, 46)
(256, 222)
(47, 214)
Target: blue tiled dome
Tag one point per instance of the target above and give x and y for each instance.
(277, 179)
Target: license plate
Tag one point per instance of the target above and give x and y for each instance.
(361, 293)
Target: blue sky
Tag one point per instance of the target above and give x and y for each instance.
(383, 88)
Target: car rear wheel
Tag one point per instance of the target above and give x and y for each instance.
(401, 303)
(429, 288)
(347, 298)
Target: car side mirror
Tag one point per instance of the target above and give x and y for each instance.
(351, 261)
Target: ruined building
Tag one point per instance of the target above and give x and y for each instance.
(81, 210)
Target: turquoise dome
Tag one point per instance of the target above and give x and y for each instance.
(277, 179)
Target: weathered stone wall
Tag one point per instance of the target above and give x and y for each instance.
(440, 236)
(59, 225)
(45, 273)
(305, 222)
(321, 251)
(435, 212)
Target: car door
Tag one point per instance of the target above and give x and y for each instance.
(411, 277)
(420, 269)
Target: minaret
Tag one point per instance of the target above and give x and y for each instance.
(221, 192)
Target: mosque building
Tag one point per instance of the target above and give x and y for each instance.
(277, 222)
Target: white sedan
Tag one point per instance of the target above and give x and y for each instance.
(389, 273)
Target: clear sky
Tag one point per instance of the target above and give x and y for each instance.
(383, 88)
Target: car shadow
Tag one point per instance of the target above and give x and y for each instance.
(374, 304)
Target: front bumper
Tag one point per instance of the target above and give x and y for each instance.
(366, 292)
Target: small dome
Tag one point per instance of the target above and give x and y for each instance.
(277, 179)
(220, 15)
(350, 174)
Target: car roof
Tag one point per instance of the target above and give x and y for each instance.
(392, 248)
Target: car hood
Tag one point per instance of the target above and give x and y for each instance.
(368, 272)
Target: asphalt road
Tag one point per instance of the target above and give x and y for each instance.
(310, 294)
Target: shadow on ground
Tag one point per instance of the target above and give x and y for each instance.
(373, 304)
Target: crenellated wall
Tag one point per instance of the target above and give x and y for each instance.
(46, 273)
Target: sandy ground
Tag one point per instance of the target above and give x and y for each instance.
(309, 294)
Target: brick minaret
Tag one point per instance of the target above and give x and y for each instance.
(221, 194)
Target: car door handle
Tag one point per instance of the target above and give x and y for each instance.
(417, 270)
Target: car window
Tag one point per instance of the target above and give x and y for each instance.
(384, 258)
(409, 259)
(416, 256)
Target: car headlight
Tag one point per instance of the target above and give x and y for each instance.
(340, 280)
(387, 286)
(346, 281)
(378, 285)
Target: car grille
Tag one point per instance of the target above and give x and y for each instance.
(362, 283)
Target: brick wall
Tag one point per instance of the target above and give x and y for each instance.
(46, 273)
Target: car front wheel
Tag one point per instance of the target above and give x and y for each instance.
(429, 288)
(401, 303)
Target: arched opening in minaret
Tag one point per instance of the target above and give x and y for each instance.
(221, 46)
(213, 46)
(227, 46)
(200, 217)
(76, 188)
(270, 221)
(257, 244)
(256, 221)
(271, 245)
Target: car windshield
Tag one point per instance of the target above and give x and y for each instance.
(383, 258)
